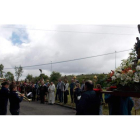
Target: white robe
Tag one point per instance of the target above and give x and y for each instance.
(51, 98)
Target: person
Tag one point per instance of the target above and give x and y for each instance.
(4, 95)
(47, 92)
(98, 91)
(22, 87)
(37, 90)
(18, 86)
(42, 91)
(89, 103)
(119, 105)
(15, 101)
(77, 94)
(28, 89)
(47, 82)
(33, 92)
(62, 91)
(66, 92)
(51, 97)
(57, 91)
(83, 85)
(11, 85)
(72, 85)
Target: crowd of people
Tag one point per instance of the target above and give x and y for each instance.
(88, 100)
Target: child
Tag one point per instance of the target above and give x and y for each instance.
(15, 101)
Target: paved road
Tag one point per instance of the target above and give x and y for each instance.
(35, 108)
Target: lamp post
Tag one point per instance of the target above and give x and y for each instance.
(51, 66)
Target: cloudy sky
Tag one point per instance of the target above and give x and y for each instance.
(27, 45)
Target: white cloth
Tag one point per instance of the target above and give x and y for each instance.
(51, 97)
(67, 86)
(30, 93)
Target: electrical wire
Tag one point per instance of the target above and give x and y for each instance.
(70, 31)
(71, 60)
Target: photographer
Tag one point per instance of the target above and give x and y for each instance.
(15, 101)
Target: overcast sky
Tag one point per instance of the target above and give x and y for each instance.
(27, 47)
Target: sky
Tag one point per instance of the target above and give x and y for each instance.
(27, 45)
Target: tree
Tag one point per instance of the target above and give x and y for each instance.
(29, 77)
(45, 77)
(18, 72)
(9, 76)
(1, 70)
(54, 77)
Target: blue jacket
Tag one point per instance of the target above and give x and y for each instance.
(119, 105)
(72, 85)
(89, 104)
(4, 94)
(14, 101)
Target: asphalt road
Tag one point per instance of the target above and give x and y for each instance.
(35, 108)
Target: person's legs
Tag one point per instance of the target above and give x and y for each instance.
(56, 95)
(41, 98)
(59, 95)
(3, 112)
(62, 96)
(101, 110)
(14, 112)
(65, 97)
(71, 94)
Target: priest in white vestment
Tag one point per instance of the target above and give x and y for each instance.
(51, 90)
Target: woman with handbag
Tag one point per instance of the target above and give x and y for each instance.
(66, 92)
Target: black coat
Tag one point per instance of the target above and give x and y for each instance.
(77, 93)
(34, 91)
(14, 101)
(42, 90)
(89, 104)
(4, 94)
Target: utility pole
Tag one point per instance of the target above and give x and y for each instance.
(51, 66)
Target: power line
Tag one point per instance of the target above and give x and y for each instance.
(69, 31)
(71, 60)
(108, 26)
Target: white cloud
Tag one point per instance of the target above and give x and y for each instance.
(43, 47)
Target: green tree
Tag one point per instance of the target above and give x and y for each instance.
(55, 76)
(36, 79)
(9, 76)
(45, 77)
(18, 72)
(29, 77)
(1, 70)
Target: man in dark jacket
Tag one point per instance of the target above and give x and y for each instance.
(72, 85)
(4, 94)
(90, 102)
(43, 92)
(15, 101)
